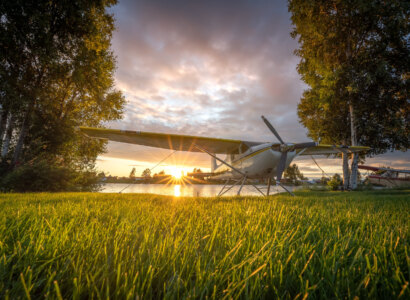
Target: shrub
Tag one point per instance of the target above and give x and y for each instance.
(42, 176)
(335, 182)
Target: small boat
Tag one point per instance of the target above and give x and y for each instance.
(388, 177)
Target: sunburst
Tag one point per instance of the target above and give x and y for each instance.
(177, 173)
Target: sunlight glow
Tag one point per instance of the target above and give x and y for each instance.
(177, 173)
(177, 190)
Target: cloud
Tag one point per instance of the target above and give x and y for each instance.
(208, 68)
(190, 64)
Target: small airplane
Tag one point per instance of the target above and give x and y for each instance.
(388, 177)
(244, 159)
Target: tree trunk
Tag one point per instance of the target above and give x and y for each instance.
(26, 120)
(354, 173)
(346, 174)
(7, 137)
(22, 135)
(3, 123)
(355, 160)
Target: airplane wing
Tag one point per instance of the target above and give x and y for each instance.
(332, 149)
(169, 141)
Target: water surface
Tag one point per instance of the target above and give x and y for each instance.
(192, 190)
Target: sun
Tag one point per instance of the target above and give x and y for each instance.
(176, 173)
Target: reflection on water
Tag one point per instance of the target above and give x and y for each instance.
(191, 190)
(177, 190)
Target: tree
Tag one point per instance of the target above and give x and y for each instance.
(324, 180)
(335, 182)
(56, 73)
(293, 174)
(132, 173)
(354, 57)
(146, 173)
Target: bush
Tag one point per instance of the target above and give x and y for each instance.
(44, 176)
(335, 182)
(365, 185)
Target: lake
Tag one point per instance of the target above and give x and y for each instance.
(192, 190)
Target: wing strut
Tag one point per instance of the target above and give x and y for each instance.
(220, 160)
(323, 172)
(161, 161)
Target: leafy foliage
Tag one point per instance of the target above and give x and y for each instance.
(335, 182)
(56, 73)
(354, 54)
(132, 173)
(44, 175)
(146, 173)
(292, 173)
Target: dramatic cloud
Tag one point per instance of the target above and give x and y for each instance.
(208, 68)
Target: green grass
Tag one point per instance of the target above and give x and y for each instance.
(318, 245)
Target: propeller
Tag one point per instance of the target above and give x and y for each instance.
(272, 129)
(284, 148)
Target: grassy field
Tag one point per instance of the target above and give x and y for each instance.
(316, 245)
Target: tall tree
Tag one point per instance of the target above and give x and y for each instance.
(293, 173)
(132, 173)
(56, 73)
(146, 173)
(355, 58)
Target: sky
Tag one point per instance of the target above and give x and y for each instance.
(208, 68)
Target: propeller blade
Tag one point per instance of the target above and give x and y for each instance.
(281, 166)
(272, 129)
(304, 145)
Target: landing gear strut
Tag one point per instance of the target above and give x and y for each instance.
(241, 180)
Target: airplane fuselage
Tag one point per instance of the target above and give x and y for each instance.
(259, 161)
